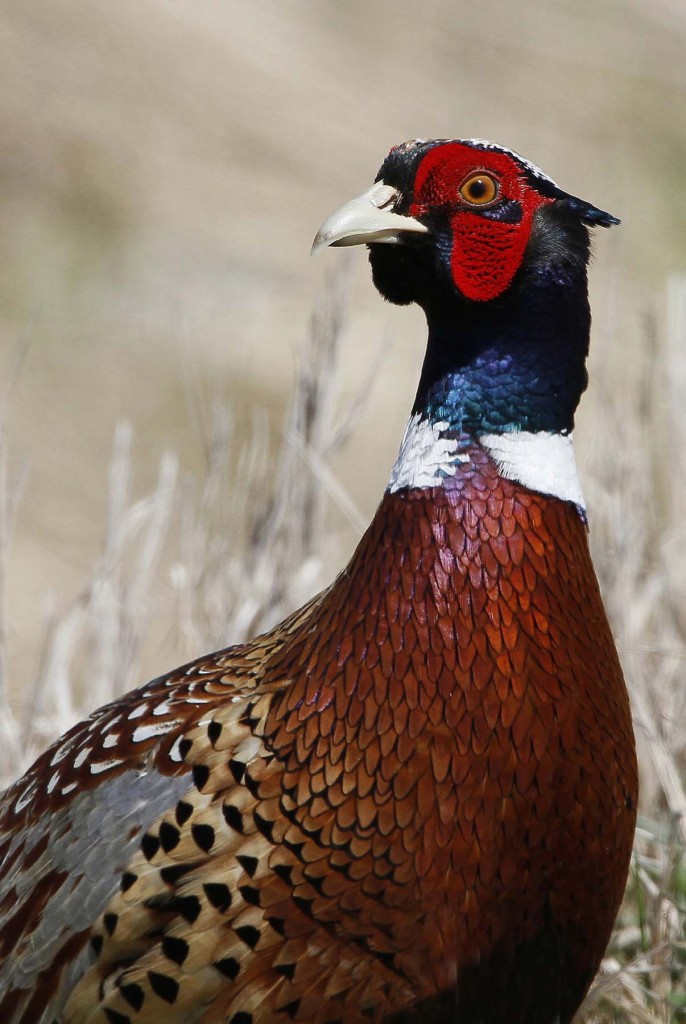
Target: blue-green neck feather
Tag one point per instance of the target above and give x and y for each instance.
(515, 363)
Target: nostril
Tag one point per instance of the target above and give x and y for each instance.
(384, 197)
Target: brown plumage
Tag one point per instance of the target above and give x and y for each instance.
(414, 799)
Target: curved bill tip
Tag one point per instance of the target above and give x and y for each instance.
(367, 218)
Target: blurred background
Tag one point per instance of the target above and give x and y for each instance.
(164, 165)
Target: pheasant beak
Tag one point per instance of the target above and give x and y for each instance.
(368, 218)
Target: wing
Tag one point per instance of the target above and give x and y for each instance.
(72, 823)
(231, 910)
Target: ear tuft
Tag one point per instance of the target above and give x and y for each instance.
(588, 214)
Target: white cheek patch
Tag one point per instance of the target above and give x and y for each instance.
(426, 456)
(542, 461)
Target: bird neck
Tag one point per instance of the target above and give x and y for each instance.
(516, 363)
(506, 375)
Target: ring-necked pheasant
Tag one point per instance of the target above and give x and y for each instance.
(415, 798)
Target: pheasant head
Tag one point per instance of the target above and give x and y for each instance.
(496, 254)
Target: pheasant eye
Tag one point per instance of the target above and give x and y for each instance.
(479, 189)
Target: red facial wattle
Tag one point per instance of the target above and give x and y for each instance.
(485, 252)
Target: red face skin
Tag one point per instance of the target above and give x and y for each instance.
(486, 253)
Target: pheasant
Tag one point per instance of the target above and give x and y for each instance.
(414, 799)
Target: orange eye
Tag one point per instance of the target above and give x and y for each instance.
(479, 189)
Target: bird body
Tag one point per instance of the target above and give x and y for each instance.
(415, 798)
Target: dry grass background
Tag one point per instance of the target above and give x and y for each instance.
(187, 450)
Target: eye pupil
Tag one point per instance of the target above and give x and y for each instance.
(477, 189)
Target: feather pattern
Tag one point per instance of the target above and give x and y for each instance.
(414, 799)
(356, 789)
